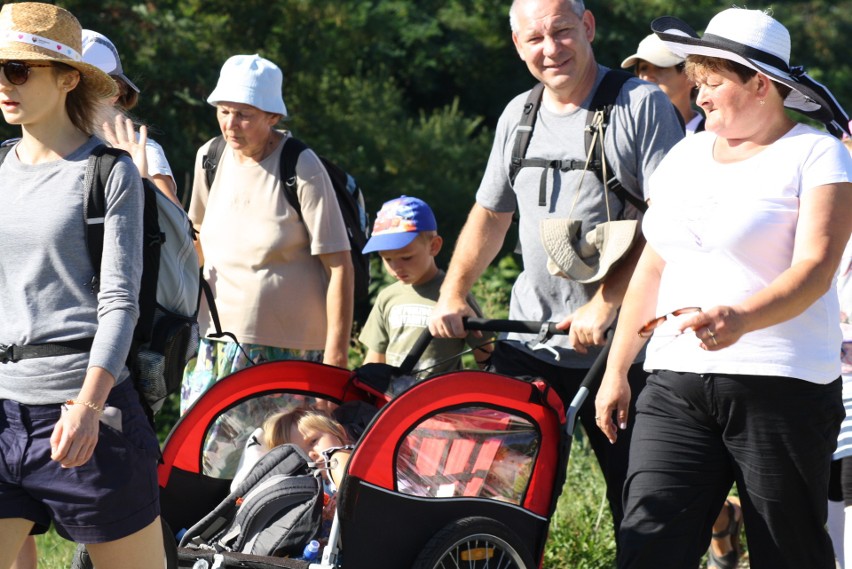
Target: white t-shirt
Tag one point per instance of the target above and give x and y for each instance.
(725, 232)
(157, 162)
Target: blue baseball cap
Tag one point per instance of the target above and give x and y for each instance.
(398, 223)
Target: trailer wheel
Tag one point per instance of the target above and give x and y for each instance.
(475, 543)
(81, 559)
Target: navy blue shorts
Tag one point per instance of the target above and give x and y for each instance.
(113, 495)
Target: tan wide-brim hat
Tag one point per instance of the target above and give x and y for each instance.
(32, 31)
(585, 258)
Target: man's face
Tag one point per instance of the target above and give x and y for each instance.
(555, 44)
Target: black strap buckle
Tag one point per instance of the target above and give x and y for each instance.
(7, 353)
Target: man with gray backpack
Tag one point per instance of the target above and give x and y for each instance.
(572, 157)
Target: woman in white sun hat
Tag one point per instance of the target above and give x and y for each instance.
(735, 290)
(76, 448)
(282, 280)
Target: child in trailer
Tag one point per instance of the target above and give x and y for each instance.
(322, 438)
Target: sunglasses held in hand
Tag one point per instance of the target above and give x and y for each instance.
(649, 327)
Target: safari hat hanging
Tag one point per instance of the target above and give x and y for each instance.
(585, 256)
(33, 31)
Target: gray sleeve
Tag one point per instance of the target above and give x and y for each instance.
(121, 268)
(495, 192)
(643, 128)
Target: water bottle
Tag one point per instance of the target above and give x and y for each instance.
(201, 564)
(311, 551)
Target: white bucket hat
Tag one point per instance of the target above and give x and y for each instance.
(99, 51)
(585, 258)
(251, 80)
(758, 41)
(654, 51)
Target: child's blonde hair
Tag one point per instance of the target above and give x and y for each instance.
(318, 421)
(277, 427)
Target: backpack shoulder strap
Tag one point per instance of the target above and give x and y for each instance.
(603, 101)
(293, 148)
(98, 168)
(525, 129)
(210, 161)
(4, 151)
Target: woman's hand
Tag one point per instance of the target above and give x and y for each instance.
(717, 327)
(612, 404)
(122, 135)
(74, 436)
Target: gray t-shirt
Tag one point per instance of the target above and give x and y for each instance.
(643, 127)
(46, 292)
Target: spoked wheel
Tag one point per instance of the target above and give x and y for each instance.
(81, 559)
(475, 543)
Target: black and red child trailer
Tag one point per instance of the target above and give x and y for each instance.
(459, 470)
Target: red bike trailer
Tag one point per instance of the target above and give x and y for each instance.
(426, 484)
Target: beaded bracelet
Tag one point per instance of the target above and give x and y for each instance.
(93, 406)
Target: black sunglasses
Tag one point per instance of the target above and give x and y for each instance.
(17, 72)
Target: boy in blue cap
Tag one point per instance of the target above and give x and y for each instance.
(405, 235)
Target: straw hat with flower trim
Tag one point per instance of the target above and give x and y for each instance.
(33, 31)
(758, 41)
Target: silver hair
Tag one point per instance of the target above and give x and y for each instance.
(577, 7)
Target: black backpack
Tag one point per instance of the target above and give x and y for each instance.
(349, 197)
(603, 100)
(275, 511)
(166, 334)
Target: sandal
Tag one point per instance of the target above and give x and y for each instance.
(731, 558)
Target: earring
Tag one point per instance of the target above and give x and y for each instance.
(763, 101)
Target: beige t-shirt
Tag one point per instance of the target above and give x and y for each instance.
(259, 257)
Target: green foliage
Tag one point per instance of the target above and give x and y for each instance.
(494, 288)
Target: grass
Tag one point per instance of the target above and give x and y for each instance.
(581, 534)
(53, 551)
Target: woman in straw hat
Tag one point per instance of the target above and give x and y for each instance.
(76, 449)
(735, 289)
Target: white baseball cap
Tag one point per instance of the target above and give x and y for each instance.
(654, 51)
(251, 80)
(99, 51)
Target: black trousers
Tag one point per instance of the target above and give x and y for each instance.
(612, 458)
(697, 434)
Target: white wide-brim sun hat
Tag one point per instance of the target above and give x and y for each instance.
(758, 41)
(33, 31)
(250, 80)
